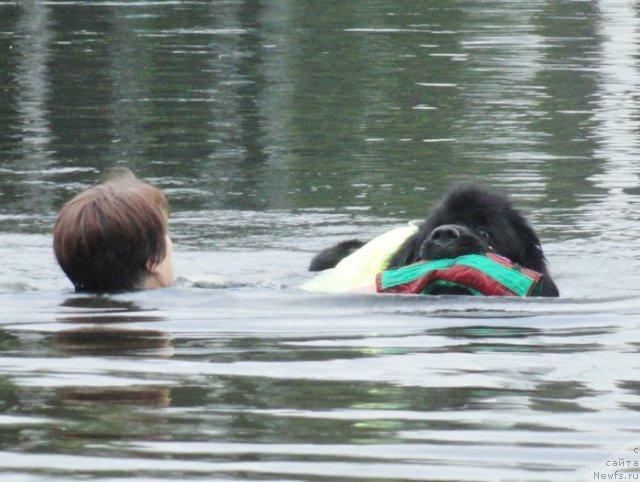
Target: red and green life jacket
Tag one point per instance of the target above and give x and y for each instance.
(480, 275)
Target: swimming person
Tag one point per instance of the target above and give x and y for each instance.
(113, 237)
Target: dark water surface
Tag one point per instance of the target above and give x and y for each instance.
(277, 128)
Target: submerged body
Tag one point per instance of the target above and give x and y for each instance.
(468, 220)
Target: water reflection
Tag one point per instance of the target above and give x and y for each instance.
(97, 305)
(505, 64)
(33, 39)
(253, 105)
(104, 336)
(248, 105)
(144, 396)
(616, 117)
(341, 388)
(107, 341)
(103, 333)
(30, 134)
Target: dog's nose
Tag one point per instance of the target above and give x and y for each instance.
(445, 234)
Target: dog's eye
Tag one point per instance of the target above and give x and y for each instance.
(483, 233)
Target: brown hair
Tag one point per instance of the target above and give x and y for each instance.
(105, 236)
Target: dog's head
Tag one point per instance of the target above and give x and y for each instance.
(472, 220)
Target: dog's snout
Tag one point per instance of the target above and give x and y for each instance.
(445, 234)
(451, 241)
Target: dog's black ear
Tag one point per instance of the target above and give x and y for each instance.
(549, 288)
(330, 257)
(529, 252)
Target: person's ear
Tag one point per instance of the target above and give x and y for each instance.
(151, 266)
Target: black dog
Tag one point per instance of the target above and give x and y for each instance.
(468, 220)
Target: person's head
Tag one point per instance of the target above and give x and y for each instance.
(113, 237)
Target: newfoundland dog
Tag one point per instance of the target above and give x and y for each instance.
(468, 220)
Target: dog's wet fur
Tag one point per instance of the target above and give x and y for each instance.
(469, 219)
